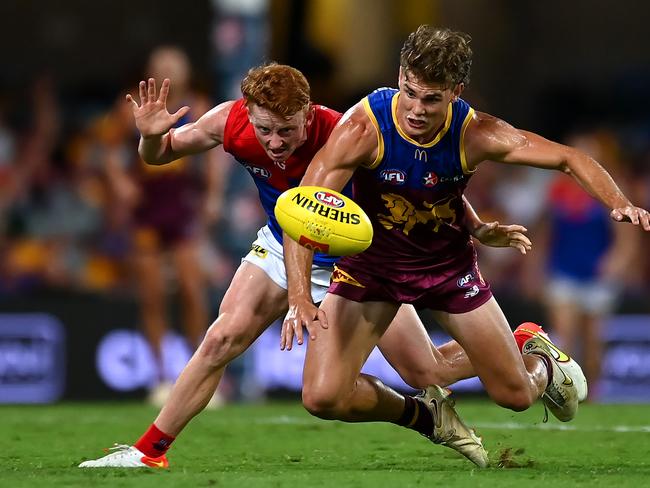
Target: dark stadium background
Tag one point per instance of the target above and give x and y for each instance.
(551, 67)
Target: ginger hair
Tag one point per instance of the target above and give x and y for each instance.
(277, 87)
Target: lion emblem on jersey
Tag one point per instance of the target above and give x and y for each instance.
(403, 214)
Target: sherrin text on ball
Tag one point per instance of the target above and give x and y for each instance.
(324, 220)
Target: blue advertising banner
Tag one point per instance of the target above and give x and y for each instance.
(626, 362)
(32, 358)
(64, 347)
(625, 373)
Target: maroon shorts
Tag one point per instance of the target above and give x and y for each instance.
(458, 289)
(168, 213)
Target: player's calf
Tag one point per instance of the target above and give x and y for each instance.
(516, 396)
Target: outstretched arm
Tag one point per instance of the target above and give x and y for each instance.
(353, 142)
(489, 138)
(159, 142)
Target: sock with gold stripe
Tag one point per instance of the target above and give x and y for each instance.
(416, 416)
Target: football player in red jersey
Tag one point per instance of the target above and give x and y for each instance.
(421, 258)
(274, 131)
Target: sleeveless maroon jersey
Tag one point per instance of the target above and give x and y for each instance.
(421, 252)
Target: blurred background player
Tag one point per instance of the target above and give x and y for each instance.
(168, 209)
(587, 256)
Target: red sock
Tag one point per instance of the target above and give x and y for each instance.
(154, 442)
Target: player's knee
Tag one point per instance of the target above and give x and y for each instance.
(514, 396)
(322, 403)
(223, 343)
(420, 378)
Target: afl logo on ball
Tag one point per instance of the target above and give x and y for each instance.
(329, 199)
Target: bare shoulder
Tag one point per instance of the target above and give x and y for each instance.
(355, 119)
(489, 137)
(214, 120)
(356, 133)
(219, 114)
(353, 142)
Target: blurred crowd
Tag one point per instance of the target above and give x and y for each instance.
(69, 198)
(79, 211)
(535, 198)
(68, 195)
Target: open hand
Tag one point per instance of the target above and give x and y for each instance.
(301, 314)
(151, 115)
(496, 235)
(632, 214)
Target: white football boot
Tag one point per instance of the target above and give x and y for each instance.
(568, 385)
(124, 456)
(449, 430)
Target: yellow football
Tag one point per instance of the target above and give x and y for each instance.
(323, 220)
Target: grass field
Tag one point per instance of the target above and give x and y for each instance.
(280, 445)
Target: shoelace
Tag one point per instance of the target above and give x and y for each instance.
(448, 438)
(117, 448)
(559, 392)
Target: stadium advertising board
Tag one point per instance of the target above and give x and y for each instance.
(32, 358)
(93, 349)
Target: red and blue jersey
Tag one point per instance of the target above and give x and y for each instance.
(272, 178)
(412, 192)
(581, 230)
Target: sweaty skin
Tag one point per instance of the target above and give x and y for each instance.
(353, 143)
(421, 112)
(253, 301)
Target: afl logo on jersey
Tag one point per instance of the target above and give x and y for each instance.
(329, 199)
(258, 172)
(393, 176)
(429, 179)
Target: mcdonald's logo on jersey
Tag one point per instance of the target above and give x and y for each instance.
(421, 155)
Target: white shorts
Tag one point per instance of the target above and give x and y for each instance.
(266, 253)
(592, 297)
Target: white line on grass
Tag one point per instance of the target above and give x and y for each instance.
(553, 426)
(291, 420)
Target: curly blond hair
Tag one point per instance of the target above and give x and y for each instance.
(437, 55)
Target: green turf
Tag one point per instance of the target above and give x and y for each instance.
(279, 445)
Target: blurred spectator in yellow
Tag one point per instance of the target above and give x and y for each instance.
(168, 210)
